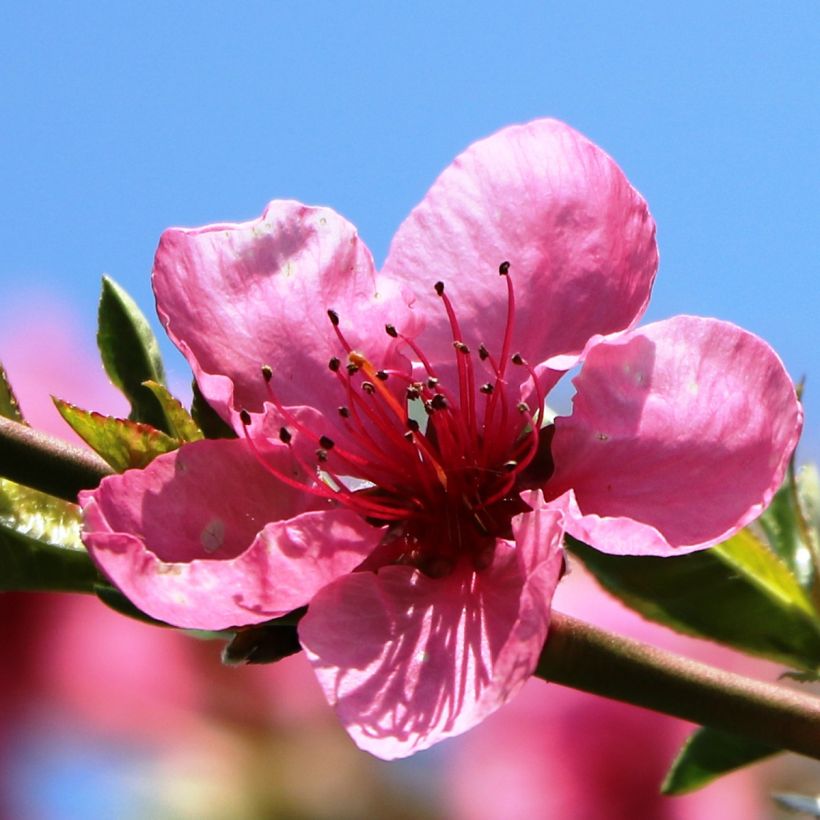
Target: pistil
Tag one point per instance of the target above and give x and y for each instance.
(448, 489)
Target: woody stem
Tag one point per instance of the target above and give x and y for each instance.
(576, 654)
(587, 658)
(47, 463)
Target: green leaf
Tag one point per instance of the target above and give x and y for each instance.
(707, 755)
(40, 547)
(39, 516)
(208, 420)
(9, 406)
(122, 443)
(28, 564)
(180, 424)
(261, 644)
(130, 353)
(785, 530)
(738, 593)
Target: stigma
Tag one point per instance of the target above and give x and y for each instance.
(436, 458)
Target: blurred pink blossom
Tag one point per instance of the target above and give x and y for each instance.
(560, 754)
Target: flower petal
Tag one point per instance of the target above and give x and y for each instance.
(236, 296)
(679, 436)
(408, 660)
(579, 239)
(206, 538)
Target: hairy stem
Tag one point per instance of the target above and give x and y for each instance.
(587, 658)
(47, 463)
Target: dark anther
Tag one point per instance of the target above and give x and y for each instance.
(461, 347)
(504, 268)
(439, 288)
(517, 358)
(334, 317)
(245, 417)
(509, 466)
(432, 382)
(486, 389)
(352, 369)
(369, 388)
(413, 425)
(410, 436)
(438, 402)
(334, 364)
(522, 407)
(344, 412)
(321, 455)
(412, 393)
(267, 372)
(326, 442)
(483, 353)
(391, 331)
(285, 436)
(381, 375)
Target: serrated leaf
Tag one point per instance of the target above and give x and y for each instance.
(39, 516)
(29, 564)
(40, 547)
(122, 443)
(787, 534)
(707, 755)
(752, 559)
(130, 353)
(738, 593)
(207, 419)
(180, 423)
(9, 406)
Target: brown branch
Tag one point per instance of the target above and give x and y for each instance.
(576, 654)
(47, 463)
(587, 658)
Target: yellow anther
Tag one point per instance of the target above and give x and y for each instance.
(363, 363)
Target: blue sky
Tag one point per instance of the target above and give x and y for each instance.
(121, 119)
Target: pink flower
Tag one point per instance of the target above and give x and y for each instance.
(393, 472)
(565, 751)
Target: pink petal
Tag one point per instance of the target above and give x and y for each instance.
(206, 538)
(236, 296)
(579, 238)
(679, 436)
(408, 660)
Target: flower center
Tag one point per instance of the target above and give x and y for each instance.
(436, 461)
